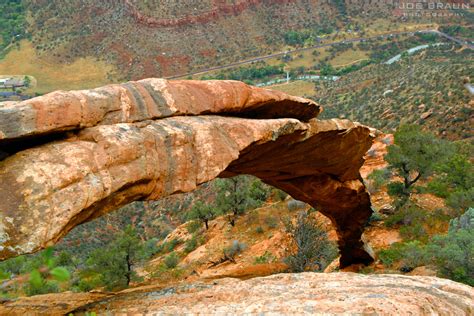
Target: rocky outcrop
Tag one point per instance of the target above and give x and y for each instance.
(219, 8)
(94, 151)
(286, 294)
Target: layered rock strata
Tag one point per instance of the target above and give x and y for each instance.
(72, 156)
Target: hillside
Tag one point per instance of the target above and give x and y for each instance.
(153, 39)
(427, 88)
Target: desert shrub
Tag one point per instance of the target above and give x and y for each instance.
(454, 180)
(279, 195)
(259, 230)
(170, 245)
(414, 156)
(375, 217)
(171, 261)
(193, 226)
(150, 248)
(271, 221)
(191, 244)
(411, 254)
(415, 221)
(379, 178)
(265, 258)
(295, 205)
(234, 249)
(407, 215)
(312, 248)
(413, 231)
(451, 253)
(37, 284)
(461, 200)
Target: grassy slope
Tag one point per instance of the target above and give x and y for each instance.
(51, 75)
(300, 88)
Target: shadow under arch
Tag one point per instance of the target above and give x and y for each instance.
(317, 170)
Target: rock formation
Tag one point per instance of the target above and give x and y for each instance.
(286, 294)
(69, 157)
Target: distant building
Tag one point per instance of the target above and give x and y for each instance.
(11, 83)
(3, 82)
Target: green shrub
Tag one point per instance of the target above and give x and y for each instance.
(191, 244)
(193, 226)
(379, 178)
(279, 195)
(453, 253)
(265, 258)
(170, 245)
(150, 248)
(461, 200)
(171, 261)
(259, 230)
(413, 231)
(411, 254)
(313, 250)
(37, 284)
(116, 261)
(409, 214)
(375, 217)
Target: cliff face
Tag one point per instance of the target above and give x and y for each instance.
(96, 150)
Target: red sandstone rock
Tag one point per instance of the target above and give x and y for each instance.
(146, 99)
(281, 294)
(149, 150)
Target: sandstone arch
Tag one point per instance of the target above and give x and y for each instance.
(69, 157)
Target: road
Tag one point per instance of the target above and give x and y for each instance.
(352, 40)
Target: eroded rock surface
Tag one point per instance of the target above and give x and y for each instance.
(94, 151)
(146, 99)
(281, 294)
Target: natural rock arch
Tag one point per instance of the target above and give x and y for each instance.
(69, 157)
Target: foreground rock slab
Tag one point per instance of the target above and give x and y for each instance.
(59, 174)
(286, 294)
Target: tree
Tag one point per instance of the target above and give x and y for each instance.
(27, 81)
(202, 212)
(114, 263)
(238, 194)
(313, 250)
(413, 156)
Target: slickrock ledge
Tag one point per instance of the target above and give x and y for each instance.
(281, 294)
(79, 166)
(147, 99)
